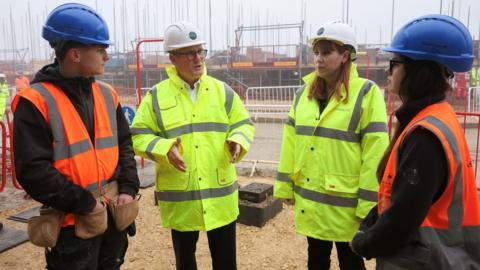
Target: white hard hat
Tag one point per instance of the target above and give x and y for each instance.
(338, 32)
(180, 35)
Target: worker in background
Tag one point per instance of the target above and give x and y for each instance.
(334, 138)
(194, 127)
(73, 150)
(21, 82)
(474, 77)
(428, 214)
(4, 94)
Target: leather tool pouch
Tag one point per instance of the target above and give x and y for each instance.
(43, 230)
(90, 225)
(125, 214)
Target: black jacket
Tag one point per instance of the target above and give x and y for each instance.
(34, 153)
(420, 181)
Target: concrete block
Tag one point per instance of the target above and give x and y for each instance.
(257, 214)
(255, 192)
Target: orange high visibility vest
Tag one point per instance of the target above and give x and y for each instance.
(450, 233)
(85, 164)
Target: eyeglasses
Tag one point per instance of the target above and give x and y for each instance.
(393, 63)
(191, 54)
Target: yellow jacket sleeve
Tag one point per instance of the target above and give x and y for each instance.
(241, 128)
(147, 141)
(374, 141)
(283, 187)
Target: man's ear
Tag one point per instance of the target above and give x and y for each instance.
(73, 55)
(172, 58)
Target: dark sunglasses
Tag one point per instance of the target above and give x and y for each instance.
(393, 63)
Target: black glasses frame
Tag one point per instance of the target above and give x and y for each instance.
(393, 63)
(191, 55)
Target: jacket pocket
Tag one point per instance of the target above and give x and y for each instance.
(172, 112)
(225, 172)
(172, 179)
(168, 103)
(341, 183)
(225, 176)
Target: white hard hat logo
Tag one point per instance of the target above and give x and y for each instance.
(320, 31)
(192, 35)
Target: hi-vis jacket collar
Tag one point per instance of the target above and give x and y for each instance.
(173, 74)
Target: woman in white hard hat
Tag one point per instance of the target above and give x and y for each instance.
(333, 141)
(428, 214)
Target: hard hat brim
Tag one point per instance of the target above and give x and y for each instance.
(454, 63)
(185, 45)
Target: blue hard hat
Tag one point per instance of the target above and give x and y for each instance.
(76, 22)
(438, 38)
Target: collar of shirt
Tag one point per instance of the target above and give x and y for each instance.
(193, 92)
(196, 85)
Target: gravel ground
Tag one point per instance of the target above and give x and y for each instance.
(274, 246)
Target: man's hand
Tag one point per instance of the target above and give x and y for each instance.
(289, 201)
(98, 207)
(234, 149)
(175, 158)
(124, 199)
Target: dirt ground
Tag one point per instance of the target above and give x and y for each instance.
(274, 246)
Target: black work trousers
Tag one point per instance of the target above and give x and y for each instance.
(319, 255)
(221, 242)
(105, 252)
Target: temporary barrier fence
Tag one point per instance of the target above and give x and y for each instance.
(8, 163)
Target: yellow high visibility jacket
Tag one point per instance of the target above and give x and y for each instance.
(474, 77)
(4, 93)
(328, 161)
(206, 196)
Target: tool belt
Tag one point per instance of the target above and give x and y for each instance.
(44, 230)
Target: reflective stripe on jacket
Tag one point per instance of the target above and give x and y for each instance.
(85, 164)
(205, 197)
(328, 161)
(449, 237)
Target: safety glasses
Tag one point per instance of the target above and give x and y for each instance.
(191, 54)
(393, 63)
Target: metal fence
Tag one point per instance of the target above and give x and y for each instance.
(269, 104)
(473, 103)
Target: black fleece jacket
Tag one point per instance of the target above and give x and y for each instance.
(420, 181)
(34, 153)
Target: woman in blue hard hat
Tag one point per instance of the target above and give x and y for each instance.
(428, 214)
(332, 143)
(73, 151)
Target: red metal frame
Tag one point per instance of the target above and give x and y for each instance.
(7, 132)
(139, 77)
(4, 156)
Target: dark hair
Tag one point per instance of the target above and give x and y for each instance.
(318, 88)
(424, 80)
(61, 48)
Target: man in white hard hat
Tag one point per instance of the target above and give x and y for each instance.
(4, 93)
(194, 127)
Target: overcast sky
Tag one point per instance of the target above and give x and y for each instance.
(130, 19)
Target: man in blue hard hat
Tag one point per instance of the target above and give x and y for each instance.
(73, 151)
